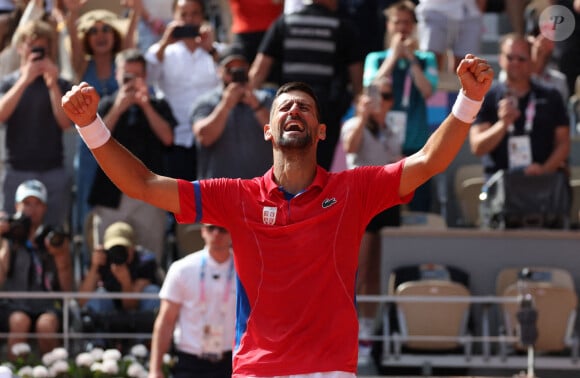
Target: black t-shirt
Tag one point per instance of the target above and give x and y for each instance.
(550, 113)
(324, 68)
(143, 266)
(33, 135)
(133, 131)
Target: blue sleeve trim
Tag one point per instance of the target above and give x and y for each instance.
(198, 210)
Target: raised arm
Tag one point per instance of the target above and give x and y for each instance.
(475, 75)
(77, 54)
(127, 172)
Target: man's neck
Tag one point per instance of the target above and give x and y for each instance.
(519, 88)
(294, 172)
(191, 44)
(219, 255)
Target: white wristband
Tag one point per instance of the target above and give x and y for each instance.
(465, 109)
(94, 134)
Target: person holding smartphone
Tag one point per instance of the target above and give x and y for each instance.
(368, 139)
(415, 78)
(227, 123)
(182, 66)
(144, 125)
(30, 109)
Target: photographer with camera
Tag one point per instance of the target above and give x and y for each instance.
(144, 125)
(33, 257)
(227, 123)
(120, 266)
(30, 109)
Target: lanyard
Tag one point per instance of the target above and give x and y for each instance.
(530, 114)
(202, 276)
(406, 90)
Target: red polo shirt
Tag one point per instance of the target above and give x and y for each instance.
(296, 261)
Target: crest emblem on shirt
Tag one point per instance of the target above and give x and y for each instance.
(269, 215)
(328, 202)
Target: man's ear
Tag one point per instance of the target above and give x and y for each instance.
(322, 131)
(267, 132)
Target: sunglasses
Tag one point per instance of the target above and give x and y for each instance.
(212, 228)
(519, 58)
(387, 96)
(93, 30)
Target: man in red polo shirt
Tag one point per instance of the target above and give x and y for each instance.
(296, 230)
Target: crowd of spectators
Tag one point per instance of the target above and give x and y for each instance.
(190, 101)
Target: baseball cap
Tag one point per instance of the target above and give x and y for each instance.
(231, 53)
(30, 188)
(119, 233)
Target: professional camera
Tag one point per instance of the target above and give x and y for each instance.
(19, 228)
(117, 254)
(55, 236)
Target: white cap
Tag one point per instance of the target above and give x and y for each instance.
(31, 188)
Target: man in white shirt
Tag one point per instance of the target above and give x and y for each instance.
(181, 67)
(198, 305)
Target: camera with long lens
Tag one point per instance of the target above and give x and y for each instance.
(18, 228)
(56, 236)
(117, 254)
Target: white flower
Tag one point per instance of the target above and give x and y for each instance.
(40, 372)
(110, 367)
(97, 366)
(59, 354)
(58, 367)
(135, 370)
(19, 349)
(48, 359)
(139, 351)
(111, 354)
(84, 359)
(167, 359)
(97, 354)
(5, 372)
(25, 371)
(129, 359)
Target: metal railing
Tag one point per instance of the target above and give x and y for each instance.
(70, 307)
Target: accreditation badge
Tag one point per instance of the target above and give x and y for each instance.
(396, 121)
(213, 338)
(519, 151)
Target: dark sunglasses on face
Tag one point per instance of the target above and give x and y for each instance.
(387, 96)
(93, 30)
(519, 58)
(212, 228)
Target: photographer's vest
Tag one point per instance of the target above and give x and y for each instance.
(31, 270)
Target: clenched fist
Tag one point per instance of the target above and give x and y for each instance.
(80, 104)
(475, 75)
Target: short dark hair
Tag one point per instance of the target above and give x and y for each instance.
(516, 37)
(131, 55)
(301, 87)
